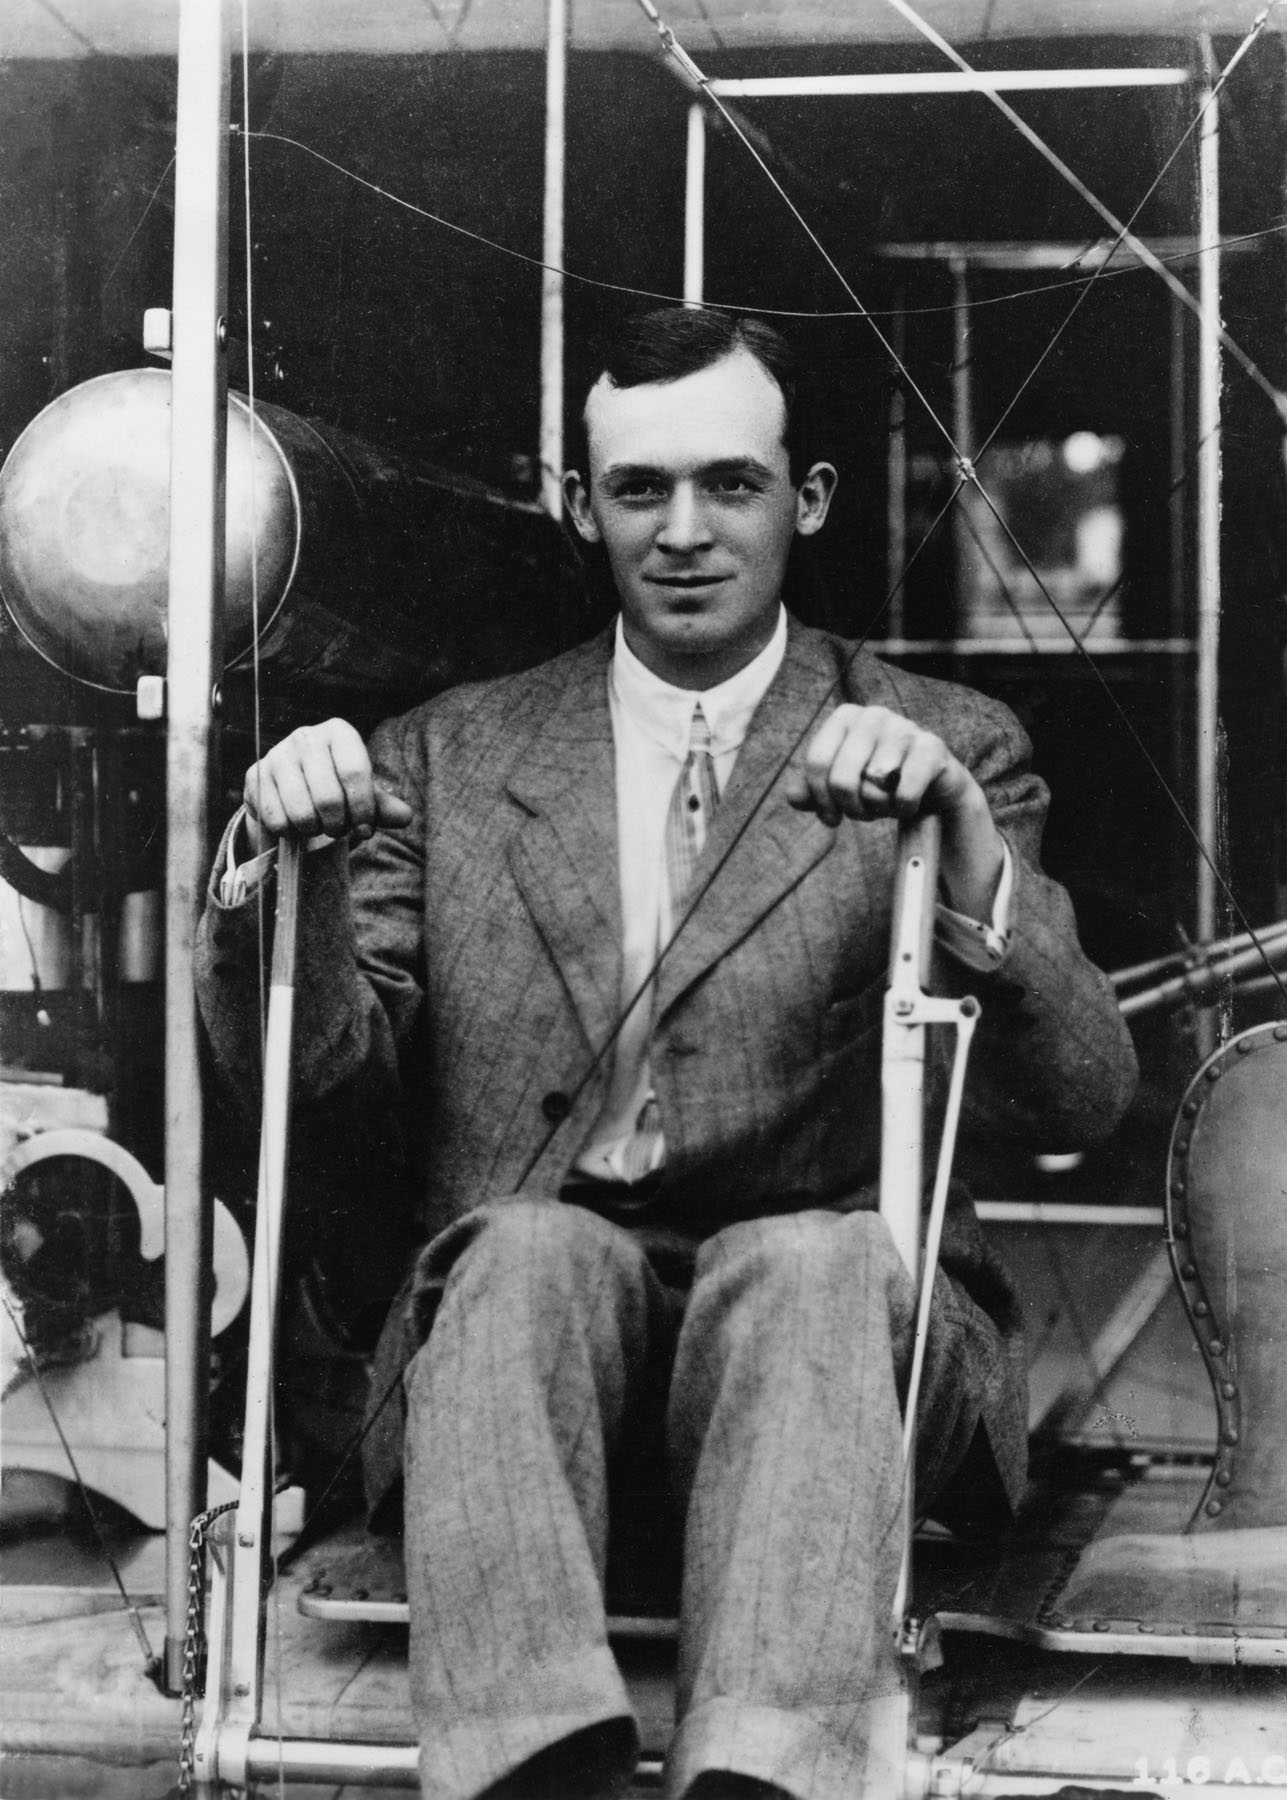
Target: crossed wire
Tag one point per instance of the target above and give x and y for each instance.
(968, 466)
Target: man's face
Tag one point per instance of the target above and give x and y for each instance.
(690, 492)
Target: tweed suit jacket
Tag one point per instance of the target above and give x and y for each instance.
(462, 976)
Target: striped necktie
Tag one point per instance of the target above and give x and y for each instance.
(692, 808)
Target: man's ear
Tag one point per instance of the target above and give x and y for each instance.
(813, 497)
(578, 505)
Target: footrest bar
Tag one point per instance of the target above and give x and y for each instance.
(323, 1760)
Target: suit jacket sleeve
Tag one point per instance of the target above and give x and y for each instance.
(1054, 1062)
(360, 982)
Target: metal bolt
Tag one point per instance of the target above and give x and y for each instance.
(246, 1539)
(1190, 1109)
(1215, 1508)
(242, 1689)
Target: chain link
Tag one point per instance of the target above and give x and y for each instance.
(192, 1636)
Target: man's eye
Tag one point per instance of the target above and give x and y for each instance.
(639, 489)
(733, 484)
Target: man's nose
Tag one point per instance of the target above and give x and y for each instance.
(685, 526)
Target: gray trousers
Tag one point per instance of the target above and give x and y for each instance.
(774, 1384)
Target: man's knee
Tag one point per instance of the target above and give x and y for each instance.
(802, 1255)
(542, 1240)
(539, 1277)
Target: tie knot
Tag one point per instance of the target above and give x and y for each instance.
(699, 739)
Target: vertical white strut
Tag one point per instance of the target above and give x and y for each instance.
(695, 207)
(552, 252)
(963, 435)
(1208, 534)
(909, 1011)
(903, 1067)
(235, 1674)
(198, 421)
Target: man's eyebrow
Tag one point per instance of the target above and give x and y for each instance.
(725, 465)
(738, 465)
(615, 471)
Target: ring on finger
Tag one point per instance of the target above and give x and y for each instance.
(884, 780)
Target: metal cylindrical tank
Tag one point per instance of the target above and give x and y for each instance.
(347, 568)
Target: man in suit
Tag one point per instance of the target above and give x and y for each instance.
(613, 941)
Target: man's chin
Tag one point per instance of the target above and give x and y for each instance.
(693, 650)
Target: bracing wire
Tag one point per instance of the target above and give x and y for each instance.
(1140, 249)
(252, 419)
(261, 926)
(142, 220)
(968, 467)
(1177, 806)
(998, 575)
(33, 1363)
(690, 68)
(822, 314)
(1125, 236)
(73, 31)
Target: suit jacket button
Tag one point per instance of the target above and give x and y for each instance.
(556, 1106)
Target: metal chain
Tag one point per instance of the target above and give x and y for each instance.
(192, 1638)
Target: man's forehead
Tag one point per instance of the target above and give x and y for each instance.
(733, 408)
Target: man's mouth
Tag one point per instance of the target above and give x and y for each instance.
(687, 584)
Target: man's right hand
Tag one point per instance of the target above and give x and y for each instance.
(319, 779)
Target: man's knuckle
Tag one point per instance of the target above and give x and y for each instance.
(352, 766)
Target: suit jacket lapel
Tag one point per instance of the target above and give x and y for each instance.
(759, 847)
(564, 856)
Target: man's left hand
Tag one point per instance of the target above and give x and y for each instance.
(865, 762)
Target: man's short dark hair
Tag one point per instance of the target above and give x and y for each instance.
(674, 341)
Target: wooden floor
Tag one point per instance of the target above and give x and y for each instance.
(82, 1719)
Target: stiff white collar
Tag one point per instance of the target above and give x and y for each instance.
(665, 712)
